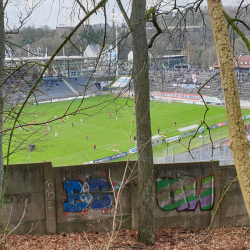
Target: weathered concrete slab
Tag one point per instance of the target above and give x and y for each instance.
(25, 178)
(82, 198)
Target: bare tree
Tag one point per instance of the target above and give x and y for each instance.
(142, 105)
(2, 60)
(30, 91)
(140, 74)
(137, 25)
(238, 141)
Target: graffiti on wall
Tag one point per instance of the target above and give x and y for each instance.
(182, 193)
(93, 193)
(16, 198)
(50, 201)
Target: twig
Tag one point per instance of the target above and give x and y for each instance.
(32, 228)
(226, 188)
(221, 199)
(87, 240)
(138, 247)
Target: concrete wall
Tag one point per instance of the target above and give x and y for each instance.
(94, 209)
(26, 185)
(194, 191)
(81, 198)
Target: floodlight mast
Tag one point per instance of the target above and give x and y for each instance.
(116, 17)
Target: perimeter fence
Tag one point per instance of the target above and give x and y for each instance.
(201, 149)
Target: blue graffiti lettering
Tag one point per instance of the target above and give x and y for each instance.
(77, 200)
(95, 193)
(96, 184)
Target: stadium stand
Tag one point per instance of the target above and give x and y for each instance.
(188, 81)
(15, 90)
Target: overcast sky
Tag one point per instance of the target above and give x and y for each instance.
(55, 13)
(64, 12)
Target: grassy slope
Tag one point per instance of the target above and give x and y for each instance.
(71, 147)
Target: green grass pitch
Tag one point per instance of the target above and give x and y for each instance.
(109, 134)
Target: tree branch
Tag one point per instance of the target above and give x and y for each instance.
(237, 29)
(159, 31)
(98, 6)
(86, 12)
(123, 12)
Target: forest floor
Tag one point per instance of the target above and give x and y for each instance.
(236, 238)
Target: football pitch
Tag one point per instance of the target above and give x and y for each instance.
(107, 121)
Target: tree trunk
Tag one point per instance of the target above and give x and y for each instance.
(237, 135)
(142, 102)
(2, 59)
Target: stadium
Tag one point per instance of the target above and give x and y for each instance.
(99, 111)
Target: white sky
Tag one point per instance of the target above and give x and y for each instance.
(56, 13)
(64, 12)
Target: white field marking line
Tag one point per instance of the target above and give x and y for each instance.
(59, 120)
(109, 146)
(117, 142)
(113, 143)
(169, 128)
(97, 126)
(65, 156)
(174, 129)
(83, 123)
(90, 120)
(80, 152)
(172, 111)
(202, 119)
